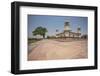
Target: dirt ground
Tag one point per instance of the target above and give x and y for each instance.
(52, 50)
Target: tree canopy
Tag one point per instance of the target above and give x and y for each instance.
(40, 31)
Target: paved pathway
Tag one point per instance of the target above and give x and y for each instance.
(50, 49)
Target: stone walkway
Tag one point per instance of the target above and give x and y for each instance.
(51, 49)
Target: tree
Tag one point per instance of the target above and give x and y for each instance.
(40, 31)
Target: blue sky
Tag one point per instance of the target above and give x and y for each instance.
(56, 22)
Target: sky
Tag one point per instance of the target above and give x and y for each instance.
(51, 23)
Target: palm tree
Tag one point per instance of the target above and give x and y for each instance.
(40, 31)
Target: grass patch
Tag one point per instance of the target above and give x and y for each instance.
(32, 40)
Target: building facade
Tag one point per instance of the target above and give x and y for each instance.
(67, 33)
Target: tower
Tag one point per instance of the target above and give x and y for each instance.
(78, 29)
(66, 29)
(67, 26)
